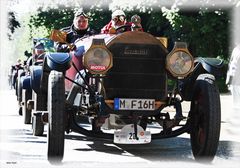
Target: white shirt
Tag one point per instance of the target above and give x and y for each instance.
(234, 65)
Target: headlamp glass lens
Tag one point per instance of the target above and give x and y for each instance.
(180, 63)
(98, 59)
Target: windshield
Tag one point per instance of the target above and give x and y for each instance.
(48, 44)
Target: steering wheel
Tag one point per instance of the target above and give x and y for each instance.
(123, 28)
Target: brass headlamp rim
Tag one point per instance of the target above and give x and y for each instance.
(85, 59)
(175, 49)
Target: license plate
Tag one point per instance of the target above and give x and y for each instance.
(127, 135)
(134, 104)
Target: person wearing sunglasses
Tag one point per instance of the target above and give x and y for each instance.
(118, 20)
(80, 28)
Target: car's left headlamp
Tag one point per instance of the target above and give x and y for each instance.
(98, 59)
(179, 61)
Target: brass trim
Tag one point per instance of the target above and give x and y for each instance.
(179, 46)
(93, 46)
(58, 36)
(163, 40)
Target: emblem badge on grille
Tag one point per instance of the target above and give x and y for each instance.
(128, 51)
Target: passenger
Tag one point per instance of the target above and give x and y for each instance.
(18, 65)
(80, 28)
(15, 70)
(119, 19)
(136, 23)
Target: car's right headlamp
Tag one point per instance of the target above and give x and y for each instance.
(98, 59)
(179, 61)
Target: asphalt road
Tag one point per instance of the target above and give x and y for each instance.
(19, 148)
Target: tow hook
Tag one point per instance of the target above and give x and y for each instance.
(178, 107)
(135, 127)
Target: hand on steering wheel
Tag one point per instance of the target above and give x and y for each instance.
(123, 28)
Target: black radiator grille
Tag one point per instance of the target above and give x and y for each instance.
(138, 72)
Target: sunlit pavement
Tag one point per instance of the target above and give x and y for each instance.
(18, 148)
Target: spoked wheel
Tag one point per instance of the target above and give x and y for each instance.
(27, 95)
(56, 116)
(205, 118)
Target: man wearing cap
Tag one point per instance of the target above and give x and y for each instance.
(119, 19)
(78, 29)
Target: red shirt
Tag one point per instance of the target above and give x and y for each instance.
(107, 27)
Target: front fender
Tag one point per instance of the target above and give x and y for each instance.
(59, 61)
(36, 73)
(26, 82)
(213, 66)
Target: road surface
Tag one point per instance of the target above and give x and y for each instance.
(19, 148)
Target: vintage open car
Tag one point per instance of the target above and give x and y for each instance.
(28, 87)
(123, 83)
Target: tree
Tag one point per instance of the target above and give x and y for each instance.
(57, 19)
(207, 32)
(12, 24)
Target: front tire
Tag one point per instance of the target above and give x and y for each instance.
(56, 116)
(20, 111)
(37, 125)
(19, 87)
(27, 95)
(205, 117)
(37, 122)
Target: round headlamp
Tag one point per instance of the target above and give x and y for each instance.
(179, 62)
(98, 60)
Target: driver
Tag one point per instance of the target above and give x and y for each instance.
(118, 19)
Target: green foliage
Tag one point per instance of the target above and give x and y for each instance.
(221, 85)
(12, 24)
(57, 19)
(51, 19)
(99, 18)
(206, 32)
